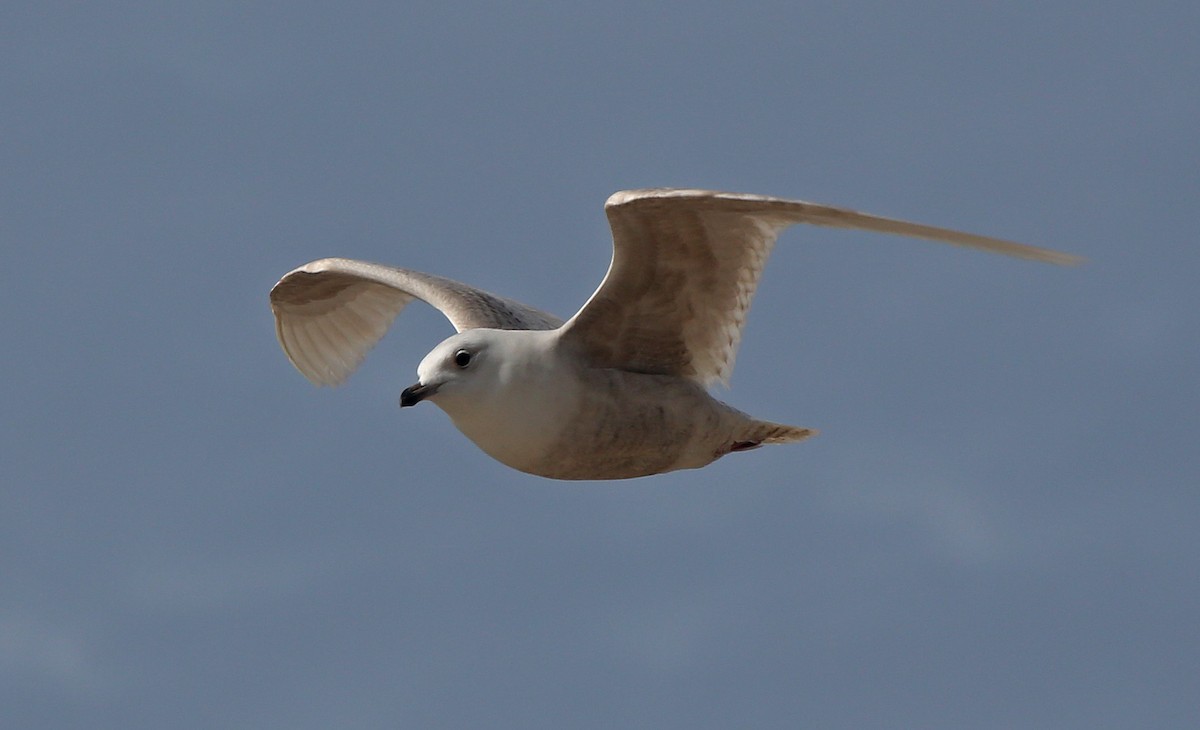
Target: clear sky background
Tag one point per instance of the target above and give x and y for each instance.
(997, 527)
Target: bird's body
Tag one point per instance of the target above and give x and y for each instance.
(543, 410)
(557, 419)
(638, 424)
(617, 391)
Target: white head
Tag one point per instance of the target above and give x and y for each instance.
(504, 389)
(468, 370)
(462, 367)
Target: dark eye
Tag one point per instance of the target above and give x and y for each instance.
(462, 358)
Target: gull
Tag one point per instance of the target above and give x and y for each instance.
(619, 390)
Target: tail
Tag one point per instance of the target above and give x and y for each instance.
(757, 433)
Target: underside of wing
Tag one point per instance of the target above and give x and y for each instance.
(331, 312)
(685, 267)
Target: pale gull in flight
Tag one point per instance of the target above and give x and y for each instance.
(620, 389)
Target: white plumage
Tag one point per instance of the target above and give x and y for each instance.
(616, 391)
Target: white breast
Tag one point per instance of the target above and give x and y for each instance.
(520, 417)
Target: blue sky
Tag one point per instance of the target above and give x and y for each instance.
(995, 529)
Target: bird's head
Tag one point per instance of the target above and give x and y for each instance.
(466, 368)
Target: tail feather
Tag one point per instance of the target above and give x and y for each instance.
(758, 433)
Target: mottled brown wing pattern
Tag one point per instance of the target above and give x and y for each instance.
(683, 273)
(331, 312)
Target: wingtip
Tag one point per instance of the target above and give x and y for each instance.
(1045, 255)
(1068, 259)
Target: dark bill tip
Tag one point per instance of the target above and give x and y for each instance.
(414, 394)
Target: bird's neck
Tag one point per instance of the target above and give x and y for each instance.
(524, 415)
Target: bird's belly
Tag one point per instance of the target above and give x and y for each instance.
(521, 443)
(630, 424)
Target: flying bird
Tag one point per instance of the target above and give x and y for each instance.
(619, 390)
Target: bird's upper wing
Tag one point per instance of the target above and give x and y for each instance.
(331, 312)
(685, 265)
